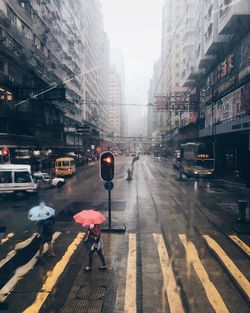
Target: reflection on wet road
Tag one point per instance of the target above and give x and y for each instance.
(179, 253)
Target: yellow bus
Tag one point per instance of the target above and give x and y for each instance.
(65, 166)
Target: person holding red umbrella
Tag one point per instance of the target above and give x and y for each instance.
(92, 220)
(93, 239)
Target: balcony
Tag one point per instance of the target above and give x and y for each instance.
(20, 12)
(206, 61)
(215, 43)
(188, 83)
(234, 18)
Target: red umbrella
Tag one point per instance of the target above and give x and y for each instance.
(87, 217)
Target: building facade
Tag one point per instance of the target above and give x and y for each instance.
(54, 60)
(215, 72)
(115, 105)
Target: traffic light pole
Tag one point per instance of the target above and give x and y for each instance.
(118, 229)
(109, 192)
(107, 171)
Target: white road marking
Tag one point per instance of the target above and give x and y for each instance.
(21, 271)
(211, 291)
(53, 276)
(130, 292)
(171, 287)
(233, 270)
(5, 239)
(18, 246)
(244, 247)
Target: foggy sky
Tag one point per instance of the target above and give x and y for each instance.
(134, 27)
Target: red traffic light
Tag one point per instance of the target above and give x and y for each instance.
(107, 166)
(5, 152)
(108, 160)
(5, 155)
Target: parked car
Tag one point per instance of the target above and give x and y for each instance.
(48, 179)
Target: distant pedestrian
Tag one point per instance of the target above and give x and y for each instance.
(94, 244)
(46, 230)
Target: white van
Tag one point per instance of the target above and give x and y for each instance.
(17, 180)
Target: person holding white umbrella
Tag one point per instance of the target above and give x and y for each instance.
(45, 217)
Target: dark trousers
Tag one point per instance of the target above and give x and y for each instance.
(100, 254)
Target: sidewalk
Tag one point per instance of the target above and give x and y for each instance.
(87, 292)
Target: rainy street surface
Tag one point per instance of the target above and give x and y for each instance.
(178, 254)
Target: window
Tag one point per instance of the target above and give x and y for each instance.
(22, 177)
(27, 32)
(210, 11)
(210, 29)
(5, 177)
(2, 62)
(12, 16)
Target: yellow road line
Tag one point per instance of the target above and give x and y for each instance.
(130, 292)
(172, 290)
(211, 291)
(21, 271)
(19, 245)
(241, 244)
(53, 276)
(10, 235)
(233, 270)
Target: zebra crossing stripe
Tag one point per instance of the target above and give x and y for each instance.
(18, 246)
(241, 244)
(172, 290)
(21, 271)
(211, 291)
(233, 270)
(53, 276)
(10, 235)
(130, 292)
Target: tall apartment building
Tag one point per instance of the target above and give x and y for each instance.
(118, 61)
(115, 96)
(48, 44)
(153, 116)
(172, 66)
(96, 65)
(226, 85)
(215, 69)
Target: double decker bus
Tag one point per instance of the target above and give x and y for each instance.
(197, 159)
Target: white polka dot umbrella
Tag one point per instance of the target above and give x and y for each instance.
(40, 212)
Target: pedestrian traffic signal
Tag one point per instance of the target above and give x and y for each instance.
(107, 166)
(5, 155)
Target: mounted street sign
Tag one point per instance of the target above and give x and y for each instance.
(84, 129)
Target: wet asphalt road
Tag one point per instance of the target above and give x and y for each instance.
(162, 258)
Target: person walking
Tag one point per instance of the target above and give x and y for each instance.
(93, 240)
(46, 230)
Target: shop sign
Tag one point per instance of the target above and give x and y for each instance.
(233, 105)
(246, 98)
(230, 72)
(208, 115)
